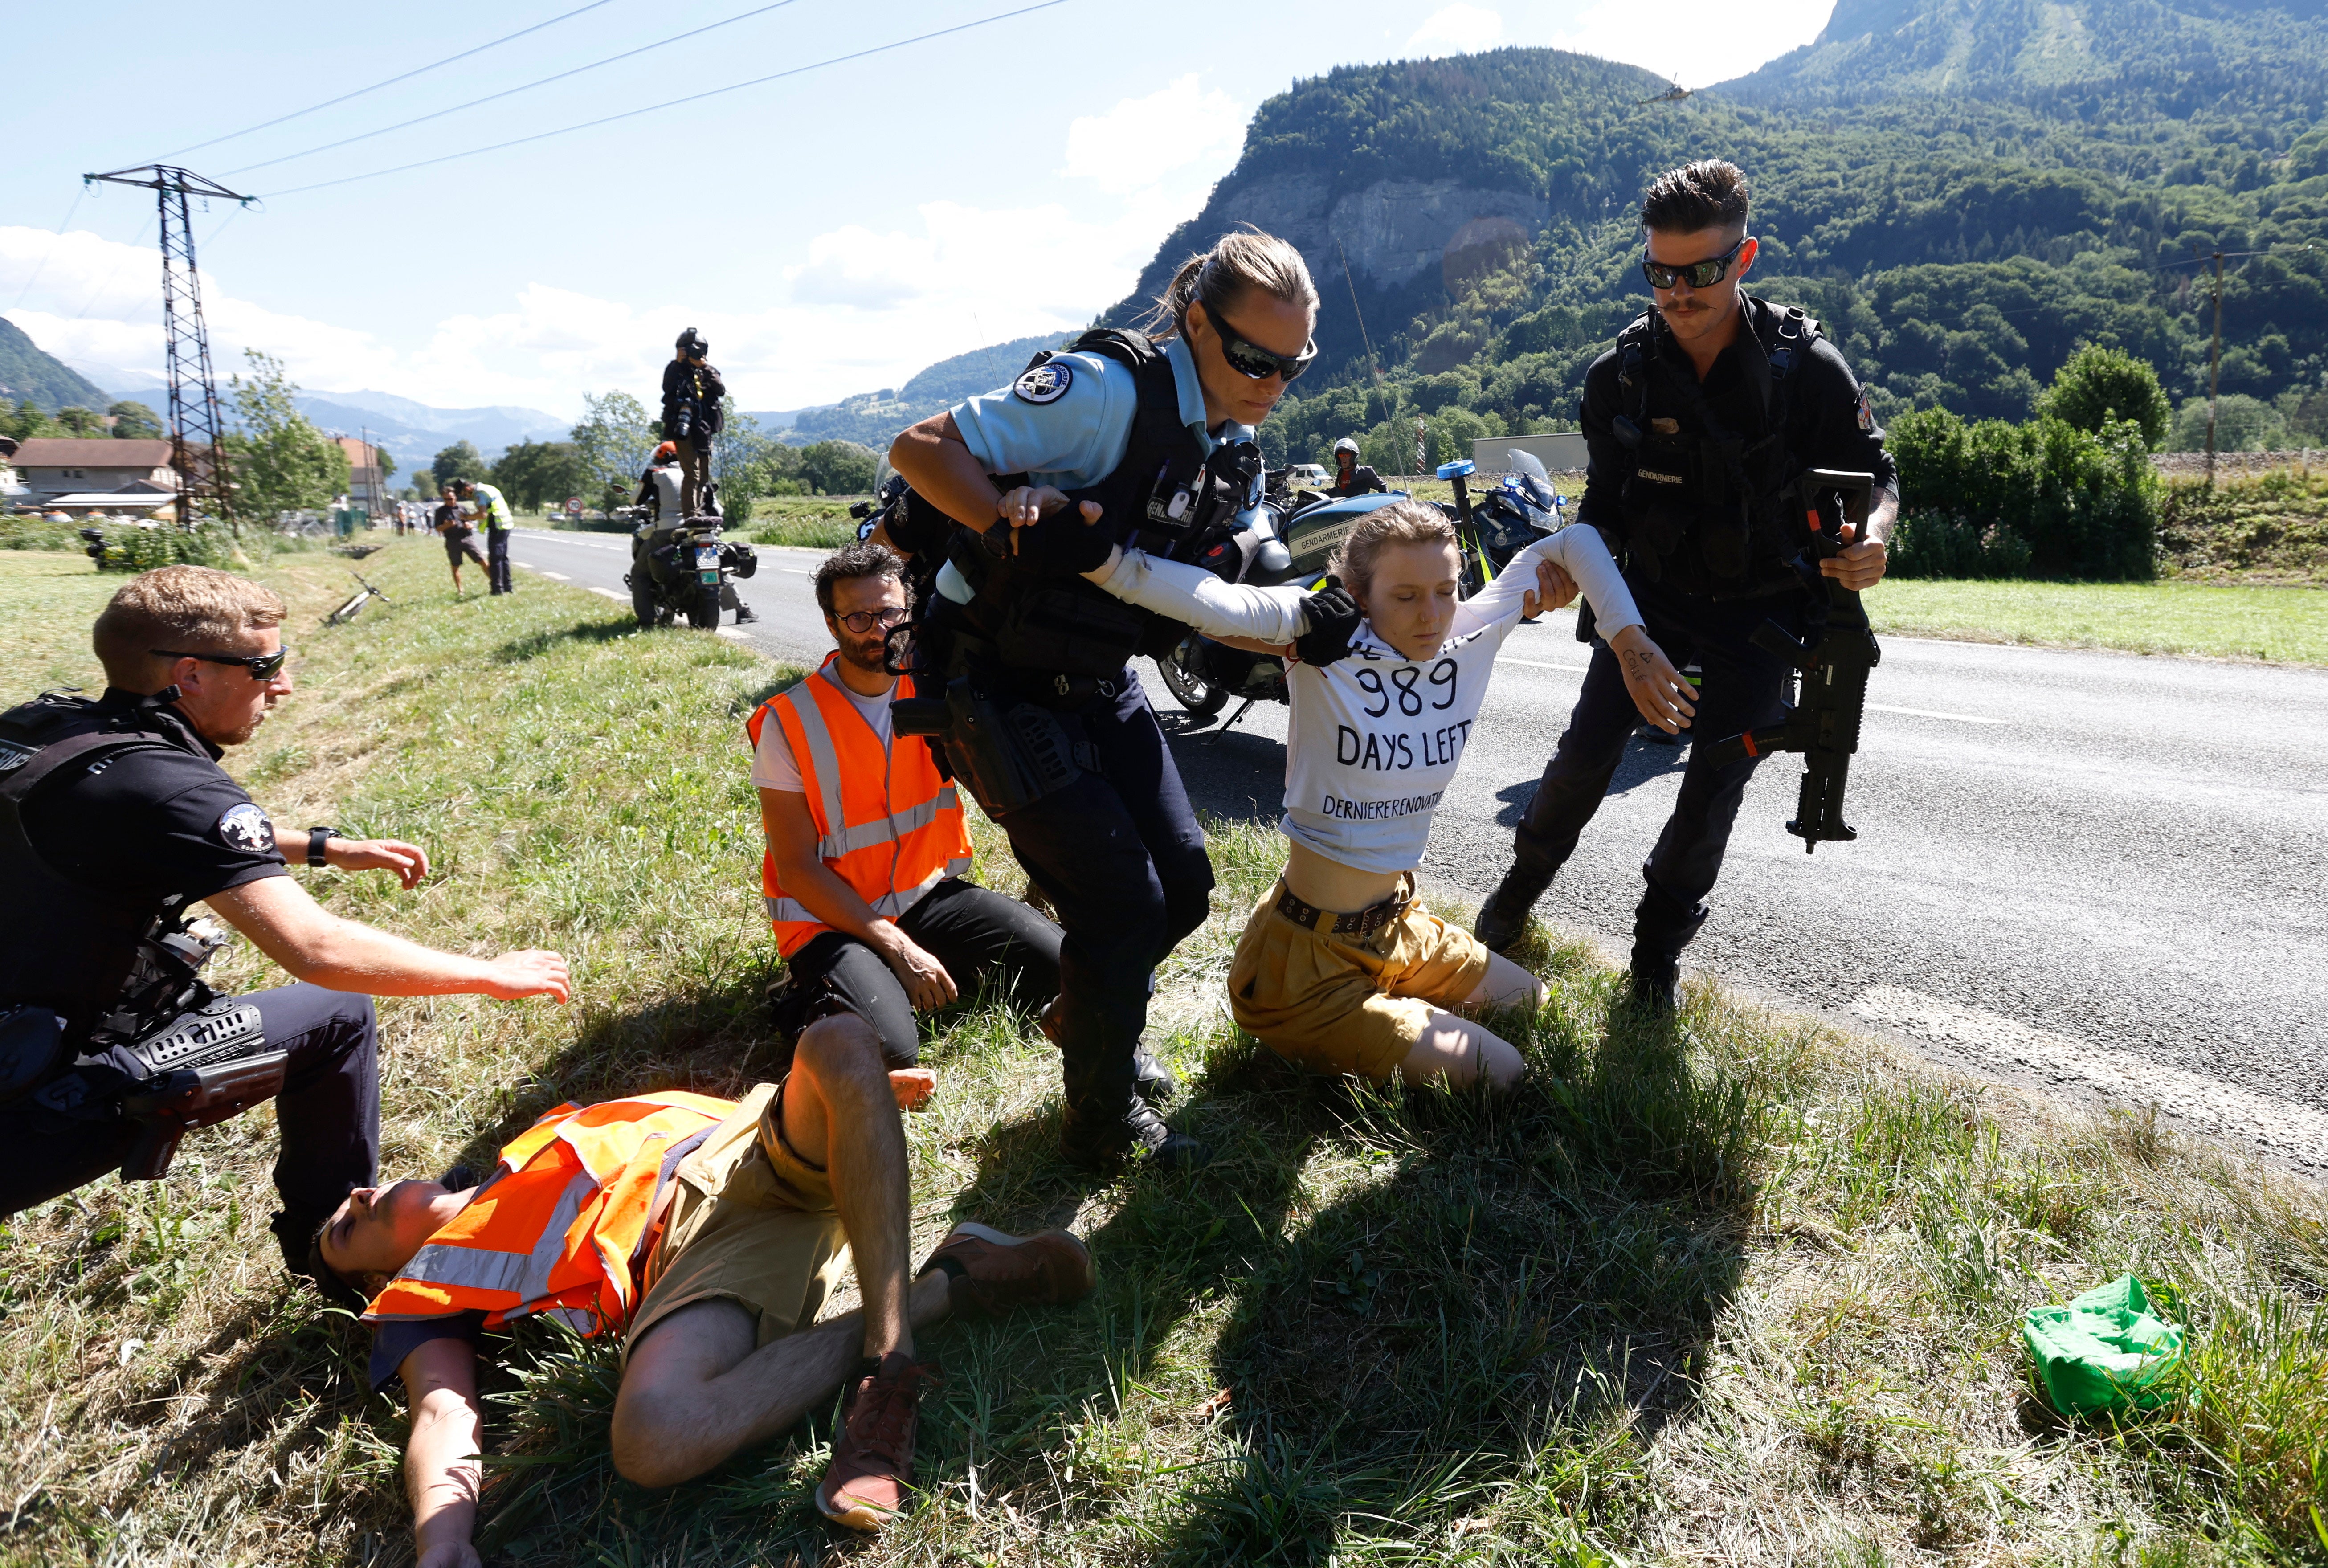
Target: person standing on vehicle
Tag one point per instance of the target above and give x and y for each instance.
(115, 820)
(1103, 827)
(692, 415)
(460, 539)
(1698, 425)
(661, 493)
(495, 510)
(1352, 477)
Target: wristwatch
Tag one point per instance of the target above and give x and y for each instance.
(316, 837)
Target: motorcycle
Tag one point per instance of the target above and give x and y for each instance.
(683, 568)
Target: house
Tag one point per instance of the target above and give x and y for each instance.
(51, 466)
(364, 487)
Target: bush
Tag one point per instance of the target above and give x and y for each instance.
(839, 467)
(2242, 424)
(2085, 501)
(1933, 544)
(2099, 385)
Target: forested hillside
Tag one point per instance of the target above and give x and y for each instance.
(1963, 194)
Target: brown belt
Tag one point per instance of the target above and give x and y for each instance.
(1361, 923)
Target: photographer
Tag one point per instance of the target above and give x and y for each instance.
(692, 415)
(115, 820)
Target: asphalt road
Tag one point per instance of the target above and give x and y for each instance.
(2097, 872)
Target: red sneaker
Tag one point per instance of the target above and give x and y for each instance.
(872, 1466)
(990, 1271)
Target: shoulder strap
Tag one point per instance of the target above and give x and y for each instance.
(1158, 418)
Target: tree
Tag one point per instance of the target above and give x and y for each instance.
(280, 460)
(380, 455)
(24, 421)
(534, 472)
(135, 422)
(2097, 385)
(839, 467)
(614, 441)
(461, 460)
(83, 423)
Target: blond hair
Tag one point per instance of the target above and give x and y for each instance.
(1401, 522)
(1222, 278)
(197, 609)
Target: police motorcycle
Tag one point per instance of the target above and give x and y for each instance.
(683, 568)
(153, 1045)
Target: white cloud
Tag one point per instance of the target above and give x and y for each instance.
(1718, 45)
(1141, 140)
(1457, 29)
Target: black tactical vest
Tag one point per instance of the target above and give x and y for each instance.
(1167, 497)
(1725, 493)
(70, 947)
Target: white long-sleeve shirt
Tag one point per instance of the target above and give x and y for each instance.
(1376, 738)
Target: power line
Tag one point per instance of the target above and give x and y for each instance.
(676, 102)
(114, 271)
(42, 264)
(511, 92)
(391, 81)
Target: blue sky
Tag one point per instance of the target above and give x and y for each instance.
(831, 232)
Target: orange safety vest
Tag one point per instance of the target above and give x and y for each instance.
(884, 819)
(566, 1225)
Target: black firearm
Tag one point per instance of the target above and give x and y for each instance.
(1824, 723)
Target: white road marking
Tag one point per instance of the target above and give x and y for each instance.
(1928, 713)
(1540, 664)
(794, 572)
(560, 577)
(609, 593)
(2222, 1109)
(738, 632)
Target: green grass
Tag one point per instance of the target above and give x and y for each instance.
(2281, 626)
(1740, 1289)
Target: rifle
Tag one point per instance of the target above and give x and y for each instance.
(1824, 723)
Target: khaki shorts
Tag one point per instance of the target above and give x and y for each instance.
(1355, 1001)
(747, 1226)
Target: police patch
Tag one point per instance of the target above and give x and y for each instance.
(1044, 383)
(246, 827)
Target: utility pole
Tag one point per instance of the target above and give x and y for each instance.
(1371, 362)
(2215, 370)
(197, 423)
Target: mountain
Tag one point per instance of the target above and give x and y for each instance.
(873, 418)
(1962, 190)
(28, 371)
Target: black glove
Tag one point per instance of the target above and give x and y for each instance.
(1334, 618)
(1062, 543)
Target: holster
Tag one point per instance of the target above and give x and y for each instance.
(1008, 754)
(199, 1066)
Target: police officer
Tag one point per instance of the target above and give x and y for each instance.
(692, 415)
(1109, 838)
(491, 508)
(115, 820)
(1698, 425)
(1352, 477)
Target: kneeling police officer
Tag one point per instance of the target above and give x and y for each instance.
(1044, 722)
(115, 820)
(1701, 426)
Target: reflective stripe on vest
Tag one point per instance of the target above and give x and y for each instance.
(565, 1224)
(886, 821)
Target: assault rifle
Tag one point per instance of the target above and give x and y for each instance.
(1824, 723)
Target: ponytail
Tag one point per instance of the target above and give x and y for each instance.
(1223, 276)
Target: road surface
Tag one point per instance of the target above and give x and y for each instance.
(2095, 871)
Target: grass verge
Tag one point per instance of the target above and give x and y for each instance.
(1739, 1289)
(2280, 626)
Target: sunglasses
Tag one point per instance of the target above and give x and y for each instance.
(1252, 361)
(1697, 273)
(863, 621)
(262, 666)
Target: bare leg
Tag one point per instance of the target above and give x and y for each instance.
(840, 1112)
(695, 1391)
(1461, 1052)
(1507, 985)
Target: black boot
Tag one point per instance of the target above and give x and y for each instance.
(1096, 1138)
(1156, 1082)
(1504, 917)
(1662, 927)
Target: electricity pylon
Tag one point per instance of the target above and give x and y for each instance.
(197, 422)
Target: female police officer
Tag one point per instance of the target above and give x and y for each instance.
(1110, 837)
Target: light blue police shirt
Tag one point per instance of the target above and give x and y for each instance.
(1068, 425)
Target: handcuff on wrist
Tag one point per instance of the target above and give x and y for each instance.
(316, 839)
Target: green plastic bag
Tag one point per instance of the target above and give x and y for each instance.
(2103, 1351)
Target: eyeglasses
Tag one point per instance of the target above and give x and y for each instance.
(1697, 273)
(863, 621)
(1249, 359)
(262, 666)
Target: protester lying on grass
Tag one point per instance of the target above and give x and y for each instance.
(1341, 968)
(708, 1232)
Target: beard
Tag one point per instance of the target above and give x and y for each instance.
(868, 657)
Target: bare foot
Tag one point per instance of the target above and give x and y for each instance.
(913, 1087)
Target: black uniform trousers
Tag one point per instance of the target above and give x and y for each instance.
(1119, 854)
(497, 561)
(980, 936)
(328, 1111)
(1744, 688)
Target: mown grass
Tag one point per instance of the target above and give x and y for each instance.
(1737, 1289)
(2280, 626)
